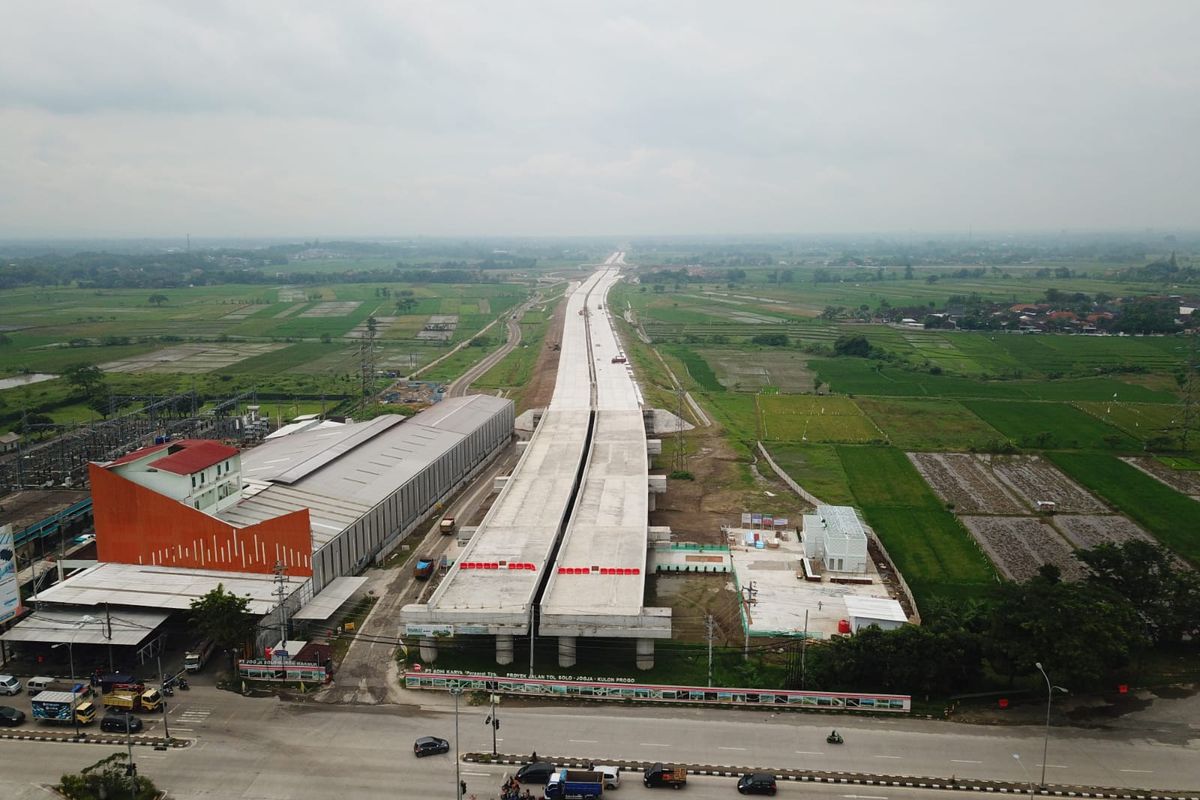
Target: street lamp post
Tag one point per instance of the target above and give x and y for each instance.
(458, 792)
(163, 698)
(71, 656)
(1028, 777)
(1046, 739)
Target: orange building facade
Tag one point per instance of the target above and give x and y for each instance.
(137, 525)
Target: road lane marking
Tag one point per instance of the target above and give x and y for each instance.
(963, 761)
(479, 774)
(1147, 771)
(652, 744)
(808, 753)
(731, 748)
(889, 756)
(864, 797)
(583, 741)
(1055, 766)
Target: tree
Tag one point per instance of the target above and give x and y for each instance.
(84, 377)
(856, 345)
(223, 617)
(158, 299)
(108, 778)
(405, 304)
(1165, 595)
(1081, 631)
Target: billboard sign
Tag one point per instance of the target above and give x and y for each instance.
(10, 588)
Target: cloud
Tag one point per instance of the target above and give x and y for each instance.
(285, 118)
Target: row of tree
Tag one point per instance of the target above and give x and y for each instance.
(1135, 596)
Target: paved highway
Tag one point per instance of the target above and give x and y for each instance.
(259, 749)
(462, 385)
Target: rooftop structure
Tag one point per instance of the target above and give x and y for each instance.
(881, 611)
(835, 535)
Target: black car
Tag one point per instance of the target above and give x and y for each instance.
(538, 772)
(120, 723)
(757, 783)
(11, 717)
(430, 746)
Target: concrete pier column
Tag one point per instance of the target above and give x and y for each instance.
(428, 649)
(645, 654)
(504, 648)
(566, 651)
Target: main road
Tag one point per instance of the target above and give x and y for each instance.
(268, 749)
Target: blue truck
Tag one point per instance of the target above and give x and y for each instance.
(575, 784)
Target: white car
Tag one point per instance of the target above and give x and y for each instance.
(9, 685)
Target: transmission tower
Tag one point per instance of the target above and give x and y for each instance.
(1189, 392)
(680, 464)
(366, 362)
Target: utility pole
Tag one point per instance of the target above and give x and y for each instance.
(280, 591)
(163, 697)
(803, 646)
(494, 721)
(749, 598)
(709, 629)
(108, 635)
(680, 456)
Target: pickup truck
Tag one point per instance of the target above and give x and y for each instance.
(575, 784)
(665, 775)
(446, 526)
(56, 707)
(424, 567)
(149, 700)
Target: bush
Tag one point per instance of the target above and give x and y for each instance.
(107, 778)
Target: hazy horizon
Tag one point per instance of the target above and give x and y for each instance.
(544, 120)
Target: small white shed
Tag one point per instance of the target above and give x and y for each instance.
(864, 612)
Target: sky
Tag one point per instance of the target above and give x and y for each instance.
(447, 118)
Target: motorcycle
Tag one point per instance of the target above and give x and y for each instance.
(834, 738)
(167, 690)
(182, 684)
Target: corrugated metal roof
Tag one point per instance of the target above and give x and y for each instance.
(161, 587)
(137, 454)
(461, 414)
(875, 608)
(327, 515)
(336, 592)
(290, 458)
(86, 625)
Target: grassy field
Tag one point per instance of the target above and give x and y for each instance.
(931, 549)
(1169, 516)
(1051, 425)
(697, 369)
(1141, 420)
(801, 418)
(817, 468)
(929, 424)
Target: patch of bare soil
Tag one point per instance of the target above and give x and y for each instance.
(965, 481)
(1018, 546)
(1086, 531)
(545, 372)
(692, 597)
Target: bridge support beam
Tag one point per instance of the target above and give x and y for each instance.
(645, 654)
(566, 651)
(504, 648)
(428, 649)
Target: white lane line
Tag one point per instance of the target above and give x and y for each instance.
(864, 797)
(889, 756)
(808, 753)
(583, 741)
(480, 774)
(731, 748)
(963, 761)
(1056, 766)
(1147, 771)
(652, 744)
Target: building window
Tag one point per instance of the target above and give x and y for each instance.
(193, 481)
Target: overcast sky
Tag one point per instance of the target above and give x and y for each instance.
(447, 118)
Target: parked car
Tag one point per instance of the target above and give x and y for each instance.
(757, 783)
(121, 723)
(9, 685)
(538, 773)
(12, 717)
(430, 746)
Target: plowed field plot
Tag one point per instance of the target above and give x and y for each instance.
(1018, 546)
(965, 481)
(1033, 479)
(333, 309)
(1181, 480)
(1086, 531)
(191, 358)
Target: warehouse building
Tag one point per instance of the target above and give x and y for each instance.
(323, 502)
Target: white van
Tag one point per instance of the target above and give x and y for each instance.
(35, 685)
(612, 775)
(9, 684)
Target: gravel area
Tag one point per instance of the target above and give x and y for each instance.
(1033, 478)
(1086, 531)
(965, 480)
(1018, 546)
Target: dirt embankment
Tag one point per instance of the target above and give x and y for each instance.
(545, 371)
